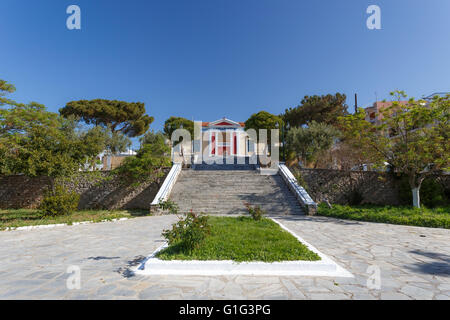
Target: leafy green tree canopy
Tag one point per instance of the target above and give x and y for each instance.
(263, 120)
(153, 155)
(309, 142)
(129, 118)
(151, 137)
(116, 141)
(5, 88)
(174, 123)
(323, 109)
(36, 142)
(412, 138)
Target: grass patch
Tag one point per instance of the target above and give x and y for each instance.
(13, 218)
(424, 217)
(243, 239)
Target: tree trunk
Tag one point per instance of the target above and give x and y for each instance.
(52, 184)
(316, 163)
(416, 197)
(415, 181)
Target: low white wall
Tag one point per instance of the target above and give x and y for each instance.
(303, 197)
(164, 192)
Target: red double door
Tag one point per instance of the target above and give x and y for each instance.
(224, 147)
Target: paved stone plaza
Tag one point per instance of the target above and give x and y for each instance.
(414, 263)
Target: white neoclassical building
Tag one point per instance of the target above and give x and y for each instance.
(218, 139)
(223, 137)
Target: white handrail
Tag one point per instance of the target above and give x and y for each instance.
(300, 192)
(169, 182)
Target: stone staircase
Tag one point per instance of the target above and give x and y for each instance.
(231, 167)
(226, 163)
(225, 191)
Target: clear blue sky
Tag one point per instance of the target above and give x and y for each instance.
(205, 59)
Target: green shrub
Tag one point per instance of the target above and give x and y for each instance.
(148, 162)
(423, 217)
(189, 232)
(169, 205)
(256, 212)
(432, 193)
(58, 202)
(355, 197)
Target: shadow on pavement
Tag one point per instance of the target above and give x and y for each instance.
(439, 267)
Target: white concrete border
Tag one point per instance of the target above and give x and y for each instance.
(300, 193)
(324, 267)
(48, 226)
(169, 182)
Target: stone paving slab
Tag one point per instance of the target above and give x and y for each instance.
(413, 263)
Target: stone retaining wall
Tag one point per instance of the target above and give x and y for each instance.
(97, 190)
(22, 192)
(347, 187)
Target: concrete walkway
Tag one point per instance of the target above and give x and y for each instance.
(413, 263)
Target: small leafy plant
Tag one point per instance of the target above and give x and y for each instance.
(189, 232)
(58, 202)
(256, 212)
(170, 206)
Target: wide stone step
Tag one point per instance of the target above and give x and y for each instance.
(234, 210)
(237, 196)
(241, 205)
(263, 206)
(240, 199)
(226, 191)
(237, 202)
(205, 195)
(239, 211)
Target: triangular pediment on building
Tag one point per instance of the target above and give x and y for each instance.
(224, 122)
